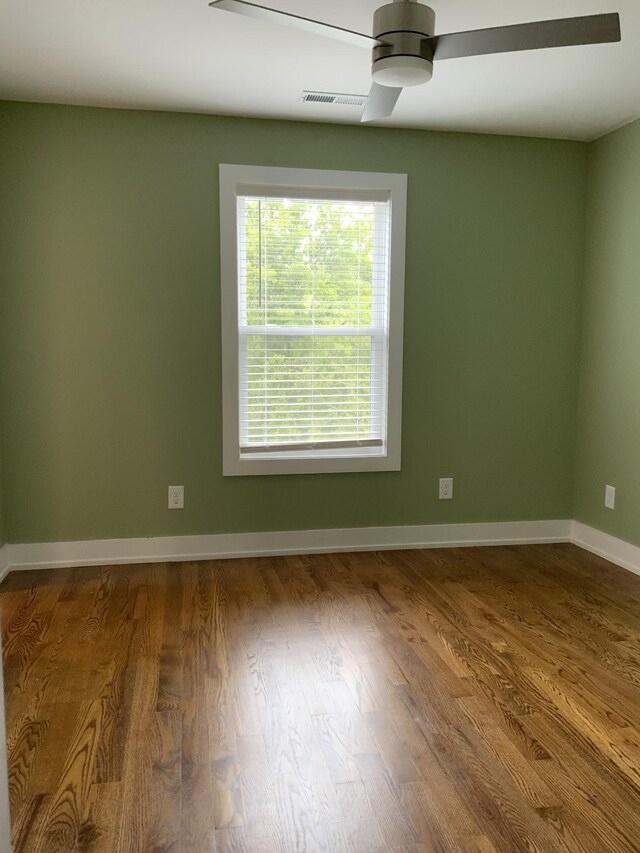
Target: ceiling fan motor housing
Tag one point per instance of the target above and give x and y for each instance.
(406, 57)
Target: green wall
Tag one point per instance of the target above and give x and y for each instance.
(4, 533)
(608, 449)
(110, 339)
(4, 536)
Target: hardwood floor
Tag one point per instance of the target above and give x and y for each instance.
(455, 700)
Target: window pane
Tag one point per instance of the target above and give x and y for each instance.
(313, 262)
(308, 388)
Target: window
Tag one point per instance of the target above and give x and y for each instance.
(312, 304)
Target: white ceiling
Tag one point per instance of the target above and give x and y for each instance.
(181, 55)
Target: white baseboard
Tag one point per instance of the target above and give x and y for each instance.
(5, 566)
(226, 545)
(615, 550)
(97, 552)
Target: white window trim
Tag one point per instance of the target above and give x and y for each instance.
(235, 179)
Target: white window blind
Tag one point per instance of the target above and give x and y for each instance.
(313, 322)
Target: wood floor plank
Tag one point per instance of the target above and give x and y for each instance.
(461, 700)
(66, 825)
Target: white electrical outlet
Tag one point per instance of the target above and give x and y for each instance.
(610, 497)
(445, 492)
(176, 497)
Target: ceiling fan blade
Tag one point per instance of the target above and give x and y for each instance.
(380, 103)
(252, 10)
(591, 29)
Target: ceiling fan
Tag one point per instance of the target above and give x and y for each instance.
(404, 47)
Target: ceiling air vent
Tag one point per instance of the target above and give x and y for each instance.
(333, 98)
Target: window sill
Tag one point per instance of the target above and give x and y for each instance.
(322, 462)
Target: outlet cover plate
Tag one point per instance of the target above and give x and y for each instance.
(610, 497)
(176, 497)
(445, 491)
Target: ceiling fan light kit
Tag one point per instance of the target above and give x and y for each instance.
(402, 71)
(404, 45)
